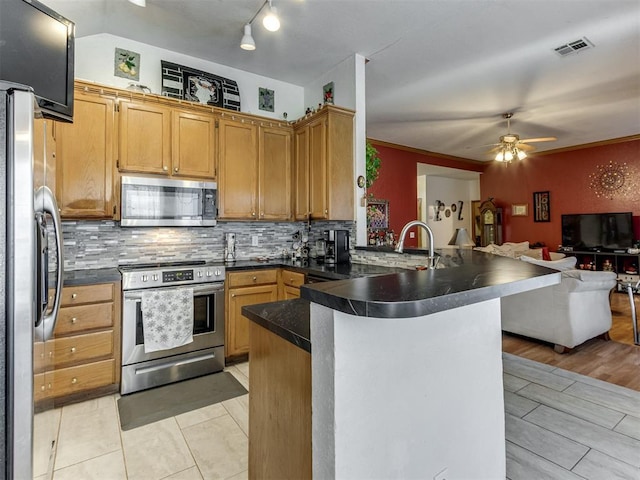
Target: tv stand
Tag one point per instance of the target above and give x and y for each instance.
(625, 265)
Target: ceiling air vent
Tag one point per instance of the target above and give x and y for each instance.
(574, 47)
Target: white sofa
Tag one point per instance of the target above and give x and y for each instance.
(566, 314)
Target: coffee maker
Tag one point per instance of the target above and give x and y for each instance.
(337, 246)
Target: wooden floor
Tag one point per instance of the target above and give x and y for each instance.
(616, 361)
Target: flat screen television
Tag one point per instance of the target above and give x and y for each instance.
(598, 231)
(37, 50)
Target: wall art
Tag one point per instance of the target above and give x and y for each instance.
(541, 207)
(266, 99)
(187, 83)
(377, 214)
(519, 210)
(126, 64)
(612, 179)
(328, 93)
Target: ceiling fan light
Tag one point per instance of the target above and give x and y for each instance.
(271, 21)
(521, 154)
(247, 42)
(500, 156)
(508, 156)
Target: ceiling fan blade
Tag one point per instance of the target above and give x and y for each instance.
(525, 147)
(539, 139)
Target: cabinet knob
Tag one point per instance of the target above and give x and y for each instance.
(233, 295)
(262, 214)
(165, 168)
(74, 295)
(326, 212)
(255, 279)
(175, 169)
(73, 349)
(74, 320)
(74, 380)
(253, 214)
(42, 388)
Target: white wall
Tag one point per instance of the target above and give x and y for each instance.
(408, 397)
(349, 81)
(94, 62)
(449, 191)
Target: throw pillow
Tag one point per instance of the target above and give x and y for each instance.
(566, 263)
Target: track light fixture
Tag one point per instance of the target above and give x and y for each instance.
(247, 42)
(271, 22)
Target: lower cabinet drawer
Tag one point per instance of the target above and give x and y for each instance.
(84, 377)
(84, 317)
(81, 348)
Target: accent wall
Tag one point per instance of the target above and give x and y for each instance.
(568, 177)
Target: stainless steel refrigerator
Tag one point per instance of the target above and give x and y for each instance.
(27, 205)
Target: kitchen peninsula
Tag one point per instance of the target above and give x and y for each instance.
(405, 379)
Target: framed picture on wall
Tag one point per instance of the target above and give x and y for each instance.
(541, 207)
(519, 210)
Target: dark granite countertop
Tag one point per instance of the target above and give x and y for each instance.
(478, 277)
(341, 271)
(405, 293)
(87, 277)
(289, 319)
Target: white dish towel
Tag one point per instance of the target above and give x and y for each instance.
(167, 318)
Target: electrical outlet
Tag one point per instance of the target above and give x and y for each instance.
(442, 475)
(254, 240)
(412, 234)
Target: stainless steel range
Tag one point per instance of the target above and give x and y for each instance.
(200, 288)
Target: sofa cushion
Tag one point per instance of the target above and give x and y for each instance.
(566, 263)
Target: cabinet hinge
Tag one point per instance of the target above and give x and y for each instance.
(117, 163)
(114, 210)
(116, 107)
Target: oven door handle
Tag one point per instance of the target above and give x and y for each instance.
(198, 290)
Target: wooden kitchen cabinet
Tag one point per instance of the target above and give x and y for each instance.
(84, 157)
(245, 288)
(238, 176)
(324, 149)
(289, 283)
(145, 138)
(274, 174)
(255, 180)
(193, 145)
(85, 350)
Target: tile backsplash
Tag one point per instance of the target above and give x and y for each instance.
(104, 244)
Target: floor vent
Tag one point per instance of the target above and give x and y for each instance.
(574, 47)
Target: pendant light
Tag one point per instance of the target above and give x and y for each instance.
(271, 21)
(247, 42)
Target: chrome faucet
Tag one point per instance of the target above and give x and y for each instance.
(433, 261)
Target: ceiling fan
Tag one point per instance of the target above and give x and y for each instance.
(511, 146)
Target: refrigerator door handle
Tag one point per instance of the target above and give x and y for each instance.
(45, 197)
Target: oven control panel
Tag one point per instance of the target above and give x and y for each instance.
(149, 278)
(177, 276)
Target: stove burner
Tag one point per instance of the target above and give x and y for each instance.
(146, 266)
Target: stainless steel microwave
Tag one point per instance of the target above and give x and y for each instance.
(165, 202)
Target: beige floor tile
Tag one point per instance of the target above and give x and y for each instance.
(238, 408)
(109, 466)
(219, 446)
(244, 368)
(45, 430)
(241, 476)
(200, 415)
(87, 430)
(156, 450)
(189, 474)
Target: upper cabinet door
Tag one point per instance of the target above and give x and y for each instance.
(275, 174)
(301, 196)
(238, 176)
(145, 138)
(318, 168)
(193, 146)
(84, 177)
